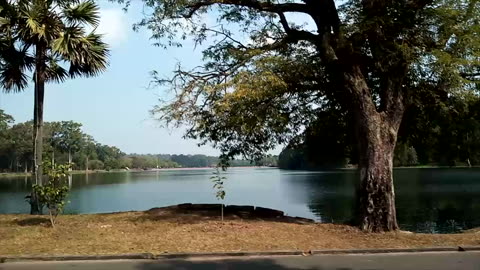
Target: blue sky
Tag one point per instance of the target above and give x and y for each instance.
(114, 107)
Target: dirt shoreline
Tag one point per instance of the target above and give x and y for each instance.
(173, 229)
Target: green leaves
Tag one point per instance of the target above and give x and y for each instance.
(68, 136)
(90, 57)
(218, 180)
(220, 194)
(14, 64)
(276, 95)
(87, 54)
(84, 12)
(53, 193)
(260, 86)
(59, 26)
(5, 120)
(55, 72)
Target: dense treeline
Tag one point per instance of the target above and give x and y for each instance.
(444, 132)
(65, 142)
(209, 161)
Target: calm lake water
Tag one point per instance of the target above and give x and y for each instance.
(428, 200)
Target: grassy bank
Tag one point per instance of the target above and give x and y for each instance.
(7, 175)
(22, 174)
(143, 232)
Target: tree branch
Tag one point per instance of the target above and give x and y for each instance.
(254, 4)
(294, 35)
(226, 36)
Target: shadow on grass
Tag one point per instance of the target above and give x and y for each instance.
(34, 221)
(182, 218)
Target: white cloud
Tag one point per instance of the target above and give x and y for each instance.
(114, 25)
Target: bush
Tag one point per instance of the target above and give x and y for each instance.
(405, 155)
(53, 193)
(95, 164)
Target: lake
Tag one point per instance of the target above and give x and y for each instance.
(428, 200)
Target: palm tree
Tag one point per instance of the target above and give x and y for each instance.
(48, 40)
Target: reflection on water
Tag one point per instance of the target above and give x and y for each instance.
(428, 200)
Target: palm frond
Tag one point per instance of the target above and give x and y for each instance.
(58, 25)
(86, 12)
(66, 42)
(38, 22)
(32, 17)
(88, 55)
(6, 6)
(14, 65)
(54, 72)
(8, 15)
(12, 79)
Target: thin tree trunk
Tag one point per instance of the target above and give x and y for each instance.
(86, 165)
(69, 160)
(52, 219)
(38, 133)
(38, 124)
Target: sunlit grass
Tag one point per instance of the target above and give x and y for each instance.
(134, 232)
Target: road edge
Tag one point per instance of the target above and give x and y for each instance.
(151, 256)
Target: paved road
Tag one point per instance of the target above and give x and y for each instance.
(405, 261)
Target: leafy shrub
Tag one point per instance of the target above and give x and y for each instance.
(405, 155)
(95, 164)
(218, 180)
(53, 193)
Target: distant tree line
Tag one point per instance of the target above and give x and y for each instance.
(444, 131)
(194, 161)
(65, 142)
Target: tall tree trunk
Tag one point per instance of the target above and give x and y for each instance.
(70, 159)
(86, 165)
(377, 130)
(38, 124)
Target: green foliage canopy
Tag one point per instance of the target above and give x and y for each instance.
(57, 26)
(267, 76)
(67, 136)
